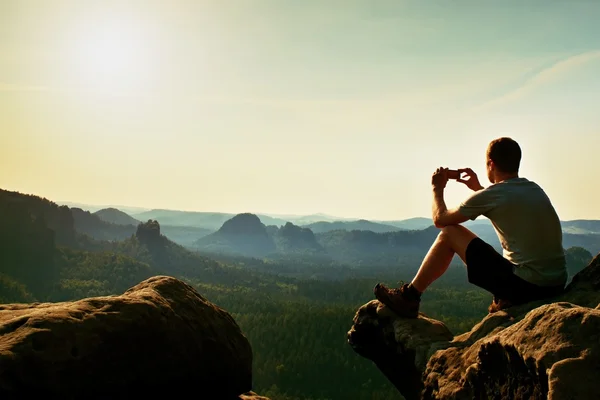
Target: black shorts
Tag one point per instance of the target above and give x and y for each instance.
(489, 270)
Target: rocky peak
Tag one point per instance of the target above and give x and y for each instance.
(532, 351)
(292, 237)
(244, 224)
(292, 231)
(148, 232)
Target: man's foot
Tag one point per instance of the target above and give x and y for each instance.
(398, 300)
(499, 304)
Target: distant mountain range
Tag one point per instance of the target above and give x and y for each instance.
(56, 253)
(246, 235)
(93, 208)
(349, 243)
(360, 225)
(212, 221)
(357, 242)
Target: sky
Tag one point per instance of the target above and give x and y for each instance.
(343, 107)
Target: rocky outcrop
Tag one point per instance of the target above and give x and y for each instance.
(291, 238)
(533, 351)
(148, 232)
(159, 337)
(90, 224)
(242, 235)
(244, 224)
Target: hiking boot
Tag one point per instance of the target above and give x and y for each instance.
(499, 304)
(397, 300)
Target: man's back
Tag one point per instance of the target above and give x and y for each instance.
(527, 226)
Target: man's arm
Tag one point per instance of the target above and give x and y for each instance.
(441, 215)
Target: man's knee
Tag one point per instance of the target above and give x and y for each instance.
(456, 236)
(451, 232)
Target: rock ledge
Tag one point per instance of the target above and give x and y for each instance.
(533, 351)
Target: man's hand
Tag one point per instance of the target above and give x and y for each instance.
(439, 179)
(472, 182)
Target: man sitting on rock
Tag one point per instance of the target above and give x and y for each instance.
(532, 266)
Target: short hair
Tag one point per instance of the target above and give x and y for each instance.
(506, 154)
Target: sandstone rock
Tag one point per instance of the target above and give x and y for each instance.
(148, 232)
(533, 351)
(160, 336)
(400, 347)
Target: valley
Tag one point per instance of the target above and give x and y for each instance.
(293, 291)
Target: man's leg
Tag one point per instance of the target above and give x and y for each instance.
(405, 300)
(453, 239)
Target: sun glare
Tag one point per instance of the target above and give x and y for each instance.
(113, 55)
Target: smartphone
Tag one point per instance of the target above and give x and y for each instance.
(453, 174)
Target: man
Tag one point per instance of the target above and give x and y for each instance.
(533, 262)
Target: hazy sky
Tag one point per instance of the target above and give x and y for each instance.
(343, 107)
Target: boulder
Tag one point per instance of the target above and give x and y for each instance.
(159, 337)
(544, 349)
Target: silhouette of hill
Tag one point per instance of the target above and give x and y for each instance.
(589, 241)
(91, 225)
(27, 252)
(581, 226)
(410, 223)
(102, 228)
(291, 238)
(57, 218)
(207, 220)
(31, 254)
(94, 207)
(116, 216)
(366, 248)
(244, 234)
(185, 235)
(307, 219)
(214, 220)
(359, 225)
(577, 259)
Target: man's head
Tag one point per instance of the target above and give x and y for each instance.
(503, 158)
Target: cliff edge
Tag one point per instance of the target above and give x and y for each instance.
(539, 350)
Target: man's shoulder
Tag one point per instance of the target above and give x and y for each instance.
(515, 184)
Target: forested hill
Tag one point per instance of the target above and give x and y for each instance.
(116, 216)
(54, 261)
(91, 225)
(295, 322)
(246, 235)
(364, 248)
(58, 219)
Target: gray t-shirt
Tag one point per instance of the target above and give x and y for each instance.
(528, 228)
